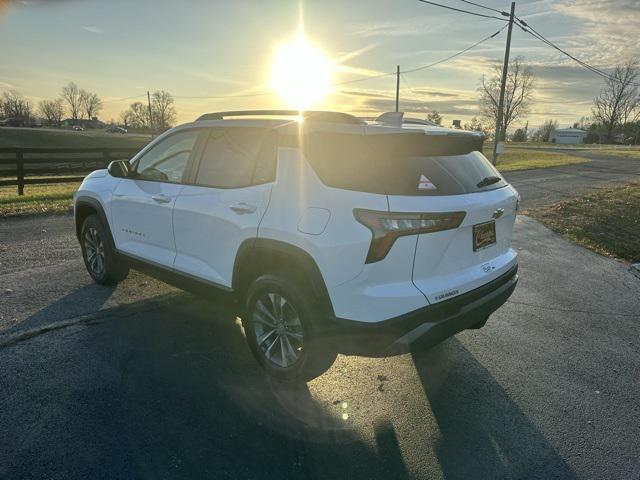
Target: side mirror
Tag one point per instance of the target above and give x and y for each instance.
(119, 169)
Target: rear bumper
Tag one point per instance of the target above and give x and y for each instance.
(428, 326)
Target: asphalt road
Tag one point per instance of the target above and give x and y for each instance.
(540, 187)
(167, 389)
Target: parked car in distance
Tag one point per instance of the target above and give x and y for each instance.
(115, 129)
(13, 122)
(332, 234)
(78, 128)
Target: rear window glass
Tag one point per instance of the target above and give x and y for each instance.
(401, 164)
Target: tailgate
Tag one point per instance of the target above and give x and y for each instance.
(445, 263)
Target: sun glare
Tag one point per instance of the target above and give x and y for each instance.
(300, 74)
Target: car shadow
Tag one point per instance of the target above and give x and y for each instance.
(175, 393)
(89, 298)
(484, 433)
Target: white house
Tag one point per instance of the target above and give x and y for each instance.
(568, 136)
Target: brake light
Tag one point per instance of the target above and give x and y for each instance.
(386, 227)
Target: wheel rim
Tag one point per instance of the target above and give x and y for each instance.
(94, 251)
(278, 330)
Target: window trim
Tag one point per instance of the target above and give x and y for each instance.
(189, 165)
(197, 162)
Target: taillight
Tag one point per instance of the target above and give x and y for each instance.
(387, 226)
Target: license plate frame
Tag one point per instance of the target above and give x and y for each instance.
(484, 235)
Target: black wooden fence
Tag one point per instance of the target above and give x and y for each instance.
(29, 166)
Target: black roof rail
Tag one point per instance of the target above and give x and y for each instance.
(317, 115)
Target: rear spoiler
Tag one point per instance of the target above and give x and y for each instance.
(393, 119)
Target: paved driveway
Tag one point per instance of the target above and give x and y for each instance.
(167, 389)
(548, 389)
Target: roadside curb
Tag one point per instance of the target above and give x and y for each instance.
(121, 311)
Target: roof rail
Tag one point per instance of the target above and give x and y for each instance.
(319, 116)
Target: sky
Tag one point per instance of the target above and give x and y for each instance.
(122, 49)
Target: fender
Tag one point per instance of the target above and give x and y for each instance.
(86, 201)
(254, 250)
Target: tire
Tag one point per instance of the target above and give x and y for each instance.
(294, 350)
(99, 256)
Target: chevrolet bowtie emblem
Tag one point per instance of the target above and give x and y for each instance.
(498, 213)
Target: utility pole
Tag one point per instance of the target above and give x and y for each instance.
(500, 134)
(150, 115)
(398, 89)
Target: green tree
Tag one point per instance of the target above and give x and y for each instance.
(520, 135)
(434, 117)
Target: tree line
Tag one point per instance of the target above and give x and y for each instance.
(615, 115)
(80, 104)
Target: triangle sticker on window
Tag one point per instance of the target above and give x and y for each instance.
(426, 184)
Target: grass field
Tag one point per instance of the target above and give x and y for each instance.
(620, 153)
(606, 221)
(38, 199)
(524, 159)
(51, 138)
(53, 198)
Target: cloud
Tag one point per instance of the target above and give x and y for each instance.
(398, 28)
(608, 29)
(92, 29)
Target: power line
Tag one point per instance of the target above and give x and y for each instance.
(423, 67)
(456, 54)
(534, 33)
(345, 82)
(485, 7)
(463, 11)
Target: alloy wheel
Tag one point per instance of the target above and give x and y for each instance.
(94, 251)
(278, 330)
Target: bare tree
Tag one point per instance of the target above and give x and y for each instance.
(72, 97)
(546, 131)
(517, 94)
(619, 101)
(91, 103)
(52, 110)
(163, 110)
(14, 105)
(136, 116)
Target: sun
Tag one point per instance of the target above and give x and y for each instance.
(300, 74)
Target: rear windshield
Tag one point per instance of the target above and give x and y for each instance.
(401, 164)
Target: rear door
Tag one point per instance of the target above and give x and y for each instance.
(142, 206)
(225, 201)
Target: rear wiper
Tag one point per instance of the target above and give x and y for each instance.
(488, 181)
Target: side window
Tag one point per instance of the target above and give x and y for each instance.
(167, 160)
(238, 157)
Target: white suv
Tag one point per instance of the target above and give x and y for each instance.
(334, 234)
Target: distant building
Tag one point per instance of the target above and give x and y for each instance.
(568, 136)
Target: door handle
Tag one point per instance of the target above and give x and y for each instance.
(161, 198)
(242, 207)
